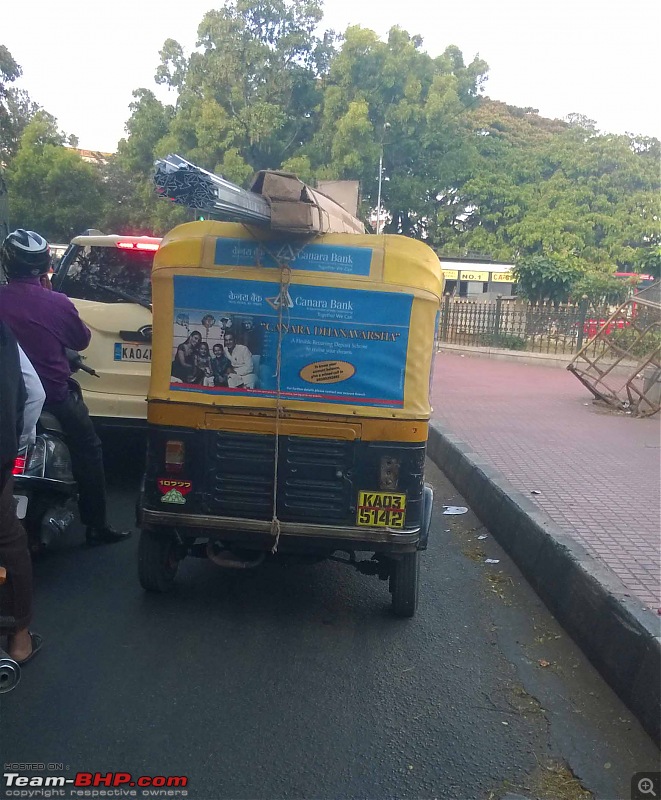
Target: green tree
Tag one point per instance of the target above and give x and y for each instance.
(51, 189)
(16, 108)
(265, 91)
(601, 288)
(648, 261)
(541, 279)
(253, 86)
(244, 102)
(467, 174)
(546, 187)
(488, 198)
(394, 98)
(131, 204)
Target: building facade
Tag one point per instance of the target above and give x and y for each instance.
(477, 280)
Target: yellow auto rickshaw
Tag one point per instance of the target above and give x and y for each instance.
(289, 402)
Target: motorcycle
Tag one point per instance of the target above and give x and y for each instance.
(45, 491)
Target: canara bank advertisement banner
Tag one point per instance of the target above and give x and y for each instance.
(338, 345)
(311, 257)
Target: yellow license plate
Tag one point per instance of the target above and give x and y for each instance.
(381, 509)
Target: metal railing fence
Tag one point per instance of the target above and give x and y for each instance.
(514, 325)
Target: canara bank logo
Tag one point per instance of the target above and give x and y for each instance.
(286, 254)
(282, 300)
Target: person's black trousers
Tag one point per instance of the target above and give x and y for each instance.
(86, 457)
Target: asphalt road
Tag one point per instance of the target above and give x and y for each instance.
(296, 681)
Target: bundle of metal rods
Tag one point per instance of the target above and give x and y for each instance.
(188, 185)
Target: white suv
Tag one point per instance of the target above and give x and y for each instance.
(109, 280)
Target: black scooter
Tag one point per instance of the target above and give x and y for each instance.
(44, 487)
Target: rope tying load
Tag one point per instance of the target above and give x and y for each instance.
(283, 258)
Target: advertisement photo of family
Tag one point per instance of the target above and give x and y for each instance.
(212, 351)
(314, 345)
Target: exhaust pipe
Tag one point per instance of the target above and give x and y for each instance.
(229, 560)
(10, 673)
(54, 524)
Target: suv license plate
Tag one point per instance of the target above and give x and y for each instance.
(21, 505)
(381, 509)
(132, 352)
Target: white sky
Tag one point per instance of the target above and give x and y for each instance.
(81, 60)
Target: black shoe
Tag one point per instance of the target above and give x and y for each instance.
(105, 535)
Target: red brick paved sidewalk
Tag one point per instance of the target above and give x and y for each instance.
(598, 471)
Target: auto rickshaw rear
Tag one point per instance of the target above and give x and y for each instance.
(289, 402)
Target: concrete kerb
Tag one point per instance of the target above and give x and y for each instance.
(618, 634)
(517, 356)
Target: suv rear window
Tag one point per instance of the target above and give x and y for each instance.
(108, 275)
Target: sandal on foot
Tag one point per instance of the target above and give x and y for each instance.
(37, 642)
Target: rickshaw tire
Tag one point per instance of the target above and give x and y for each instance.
(405, 584)
(157, 561)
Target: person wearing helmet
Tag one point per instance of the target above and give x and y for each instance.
(45, 323)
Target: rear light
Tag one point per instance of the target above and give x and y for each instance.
(152, 246)
(37, 458)
(30, 462)
(19, 465)
(57, 464)
(389, 473)
(175, 453)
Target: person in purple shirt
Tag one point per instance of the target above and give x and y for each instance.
(45, 323)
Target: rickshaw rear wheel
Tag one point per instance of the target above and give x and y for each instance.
(405, 584)
(158, 560)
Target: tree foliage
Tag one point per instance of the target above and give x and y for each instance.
(267, 87)
(394, 99)
(252, 85)
(16, 108)
(541, 278)
(51, 189)
(131, 204)
(649, 261)
(601, 288)
(547, 188)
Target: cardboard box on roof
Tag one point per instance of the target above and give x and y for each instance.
(297, 208)
(346, 193)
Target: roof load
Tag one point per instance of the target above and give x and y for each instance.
(277, 200)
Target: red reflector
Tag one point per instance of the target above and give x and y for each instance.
(175, 453)
(19, 465)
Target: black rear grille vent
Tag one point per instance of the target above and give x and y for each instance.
(312, 477)
(315, 485)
